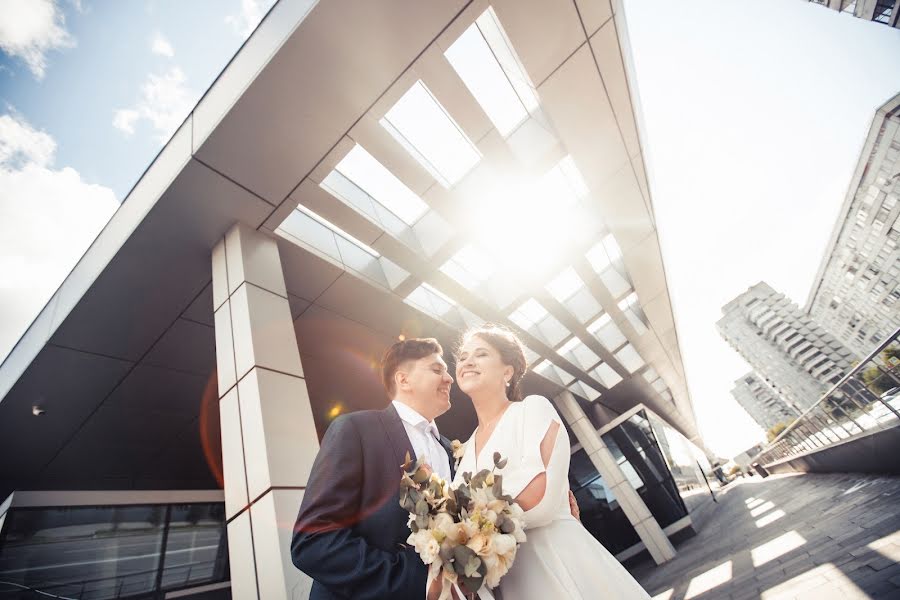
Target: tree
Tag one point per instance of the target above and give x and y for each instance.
(775, 431)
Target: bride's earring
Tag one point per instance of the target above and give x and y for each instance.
(507, 384)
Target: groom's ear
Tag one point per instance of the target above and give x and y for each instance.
(401, 379)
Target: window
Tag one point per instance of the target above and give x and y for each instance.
(488, 66)
(376, 181)
(468, 267)
(565, 285)
(607, 332)
(528, 315)
(430, 301)
(606, 375)
(422, 126)
(631, 308)
(883, 10)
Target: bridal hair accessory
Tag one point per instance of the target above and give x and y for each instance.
(467, 533)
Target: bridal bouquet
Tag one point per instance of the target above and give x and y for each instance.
(468, 533)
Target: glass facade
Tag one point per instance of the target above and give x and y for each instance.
(667, 471)
(100, 552)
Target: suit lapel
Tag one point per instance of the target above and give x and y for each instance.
(396, 433)
(449, 450)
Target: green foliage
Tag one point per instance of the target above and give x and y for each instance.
(775, 431)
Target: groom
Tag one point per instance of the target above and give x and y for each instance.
(351, 531)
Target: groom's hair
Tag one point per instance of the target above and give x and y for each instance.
(405, 351)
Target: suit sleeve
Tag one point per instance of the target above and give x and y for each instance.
(325, 544)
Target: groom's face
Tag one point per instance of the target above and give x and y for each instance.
(429, 381)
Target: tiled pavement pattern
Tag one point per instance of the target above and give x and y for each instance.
(810, 537)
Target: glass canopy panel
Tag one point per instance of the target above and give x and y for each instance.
(631, 308)
(496, 37)
(422, 126)
(650, 375)
(528, 314)
(531, 356)
(478, 67)
(597, 257)
(570, 345)
(583, 305)
(430, 301)
(373, 178)
(468, 267)
(609, 334)
(563, 183)
(584, 390)
(630, 358)
(554, 373)
(614, 282)
(578, 353)
(565, 285)
(606, 375)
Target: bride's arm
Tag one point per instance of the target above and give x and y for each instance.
(534, 491)
(540, 472)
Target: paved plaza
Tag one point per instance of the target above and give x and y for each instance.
(810, 537)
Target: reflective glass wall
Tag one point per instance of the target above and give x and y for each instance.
(671, 475)
(100, 552)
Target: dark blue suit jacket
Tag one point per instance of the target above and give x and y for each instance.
(351, 532)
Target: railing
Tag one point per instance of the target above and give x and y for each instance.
(867, 398)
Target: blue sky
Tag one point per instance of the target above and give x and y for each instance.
(106, 69)
(754, 114)
(89, 93)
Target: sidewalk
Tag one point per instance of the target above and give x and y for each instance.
(809, 537)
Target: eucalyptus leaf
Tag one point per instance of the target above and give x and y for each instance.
(422, 507)
(472, 566)
(470, 585)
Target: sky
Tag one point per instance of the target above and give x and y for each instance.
(753, 115)
(89, 93)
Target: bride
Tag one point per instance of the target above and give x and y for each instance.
(560, 559)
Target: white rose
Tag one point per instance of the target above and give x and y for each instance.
(426, 546)
(431, 551)
(480, 544)
(504, 543)
(445, 524)
(494, 571)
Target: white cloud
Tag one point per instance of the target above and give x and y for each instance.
(48, 218)
(247, 19)
(160, 45)
(165, 102)
(31, 28)
(21, 144)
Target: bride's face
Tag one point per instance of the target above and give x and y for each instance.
(479, 368)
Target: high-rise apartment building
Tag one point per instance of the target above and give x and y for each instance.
(761, 403)
(856, 293)
(795, 355)
(879, 11)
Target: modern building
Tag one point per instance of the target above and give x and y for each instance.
(856, 292)
(360, 171)
(879, 11)
(761, 403)
(796, 357)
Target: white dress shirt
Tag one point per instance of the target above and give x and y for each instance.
(424, 437)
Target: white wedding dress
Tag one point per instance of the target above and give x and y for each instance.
(560, 559)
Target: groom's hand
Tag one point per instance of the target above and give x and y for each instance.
(573, 506)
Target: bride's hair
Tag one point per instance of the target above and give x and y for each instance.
(510, 348)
